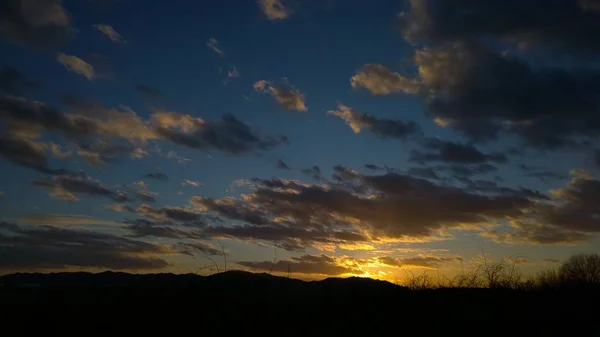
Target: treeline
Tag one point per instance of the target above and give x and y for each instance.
(581, 270)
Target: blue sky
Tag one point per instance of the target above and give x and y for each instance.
(434, 138)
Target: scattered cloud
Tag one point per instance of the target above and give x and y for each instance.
(110, 32)
(146, 196)
(213, 44)
(285, 94)
(157, 176)
(148, 91)
(417, 261)
(77, 65)
(14, 82)
(46, 248)
(41, 24)
(171, 213)
(96, 132)
(282, 165)
(380, 80)
(229, 135)
(64, 220)
(455, 153)
(306, 264)
(191, 183)
(274, 9)
(69, 187)
(381, 127)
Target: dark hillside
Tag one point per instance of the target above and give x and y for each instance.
(260, 302)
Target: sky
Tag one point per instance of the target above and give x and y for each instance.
(312, 138)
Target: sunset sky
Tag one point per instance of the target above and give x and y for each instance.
(316, 138)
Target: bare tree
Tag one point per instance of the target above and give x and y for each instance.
(581, 269)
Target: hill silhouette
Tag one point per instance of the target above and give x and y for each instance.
(248, 302)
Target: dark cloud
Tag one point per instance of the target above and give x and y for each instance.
(38, 23)
(101, 152)
(96, 130)
(454, 153)
(381, 127)
(197, 247)
(229, 135)
(68, 188)
(563, 26)
(157, 176)
(172, 213)
(546, 175)
(14, 82)
(423, 172)
(27, 153)
(363, 207)
(282, 165)
(313, 172)
(146, 196)
(485, 70)
(46, 247)
(306, 264)
(573, 216)
(148, 91)
(373, 167)
(418, 261)
(140, 228)
(597, 158)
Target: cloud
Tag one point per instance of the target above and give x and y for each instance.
(572, 217)
(171, 213)
(282, 165)
(213, 44)
(14, 82)
(381, 127)
(380, 80)
(360, 207)
(373, 167)
(546, 175)
(141, 185)
(306, 264)
(64, 220)
(110, 32)
(92, 131)
(69, 187)
(27, 153)
(229, 135)
(148, 91)
(37, 23)
(119, 208)
(233, 72)
(46, 247)
(262, 226)
(455, 153)
(192, 248)
(274, 9)
(146, 196)
(191, 183)
(562, 27)
(418, 261)
(486, 73)
(101, 151)
(77, 65)
(157, 176)
(141, 228)
(285, 94)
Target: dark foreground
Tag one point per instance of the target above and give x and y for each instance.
(237, 302)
